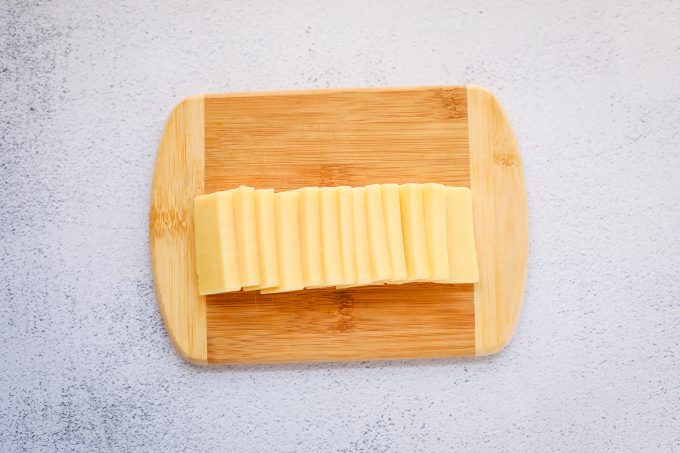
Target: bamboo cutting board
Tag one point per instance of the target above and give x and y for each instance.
(457, 136)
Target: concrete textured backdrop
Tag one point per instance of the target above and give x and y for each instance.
(593, 92)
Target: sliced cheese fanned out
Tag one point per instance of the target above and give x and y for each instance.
(333, 236)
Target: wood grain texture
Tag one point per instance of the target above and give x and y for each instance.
(500, 221)
(332, 138)
(178, 178)
(375, 322)
(456, 136)
(329, 138)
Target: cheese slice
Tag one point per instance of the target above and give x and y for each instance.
(215, 238)
(330, 237)
(346, 218)
(434, 208)
(266, 239)
(377, 238)
(395, 238)
(413, 229)
(362, 258)
(246, 236)
(460, 235)
(310, 236)
(289, 254)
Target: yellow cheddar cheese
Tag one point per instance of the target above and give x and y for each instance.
(362, 258)
(413, 229)
(330, 237)
(310, 236)
(215, 241)
(395, 238)
(333, 236)
(434, 209)
(377, 238)
(266, 239)
(289, 254)
(246, 236)
(346, 219)
(461, 238)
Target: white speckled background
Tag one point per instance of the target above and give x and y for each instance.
(593, 91)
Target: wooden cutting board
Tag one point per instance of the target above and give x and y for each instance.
(456, 135)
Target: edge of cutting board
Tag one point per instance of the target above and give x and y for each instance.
(500, 218)
(501, 233)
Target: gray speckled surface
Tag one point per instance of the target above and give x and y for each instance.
(593, 92)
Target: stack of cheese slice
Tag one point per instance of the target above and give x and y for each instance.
(333, 236)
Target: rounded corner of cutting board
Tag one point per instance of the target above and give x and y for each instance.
(177, 179)
(500, 220)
